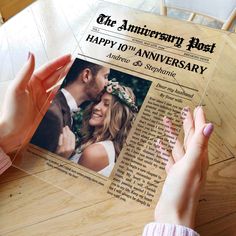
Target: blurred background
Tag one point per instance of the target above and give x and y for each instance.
(50, 28)
(10, 8)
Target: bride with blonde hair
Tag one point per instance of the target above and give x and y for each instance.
(106, 125)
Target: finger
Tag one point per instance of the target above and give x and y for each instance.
(72, 140)
(46, 99)
(55, 77)
(169, 131)
(199, 143)
(49, 68)
(65, 131)
(70, 145)
(205, 164)
(175, 144)
(67, 137)
(188, 126)
(169, 164)
(70, 137)
(60, 141)
(25, 73)
(44, 103)
(51, 94)
(165, 155)
(199, 117)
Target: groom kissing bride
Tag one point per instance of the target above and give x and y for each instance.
(106, 121)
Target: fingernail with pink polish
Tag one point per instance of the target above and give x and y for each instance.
(208, 130)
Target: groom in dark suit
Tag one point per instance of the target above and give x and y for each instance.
(84, 82)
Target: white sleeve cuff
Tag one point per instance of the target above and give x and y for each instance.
(162, 229)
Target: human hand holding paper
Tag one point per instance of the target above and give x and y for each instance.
(27, 99)
(186, 170)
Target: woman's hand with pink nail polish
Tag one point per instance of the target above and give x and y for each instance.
(26, 100)
(186, 171)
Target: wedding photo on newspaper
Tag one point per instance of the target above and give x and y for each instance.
(91, 116)
(131, 76)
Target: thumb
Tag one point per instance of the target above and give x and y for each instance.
(47, 100)
(60, 141)
(52, 93)
(23, 77)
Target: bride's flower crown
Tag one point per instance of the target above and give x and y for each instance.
(116, 89)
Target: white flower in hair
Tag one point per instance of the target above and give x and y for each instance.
(126, 96)
(117, 90)
(129, 100)
(109, 89)
(116, 86)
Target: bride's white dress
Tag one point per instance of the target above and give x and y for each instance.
(110, 149)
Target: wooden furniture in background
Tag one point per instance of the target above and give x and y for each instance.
(10, 8)
(223, 11)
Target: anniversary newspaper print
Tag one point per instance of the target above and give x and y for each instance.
(130, 74)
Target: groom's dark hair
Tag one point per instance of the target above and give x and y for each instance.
(77, 67)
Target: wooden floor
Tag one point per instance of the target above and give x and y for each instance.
(30, 206)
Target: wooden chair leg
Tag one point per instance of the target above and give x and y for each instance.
(229, 22)
(192, 16)
(163, 8)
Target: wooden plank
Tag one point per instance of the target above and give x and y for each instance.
(10, 8)
(29, 200)
(113, 214)
(224, 226)
(12, 174)
(219, 196)
(106, 218)
(220, 97)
